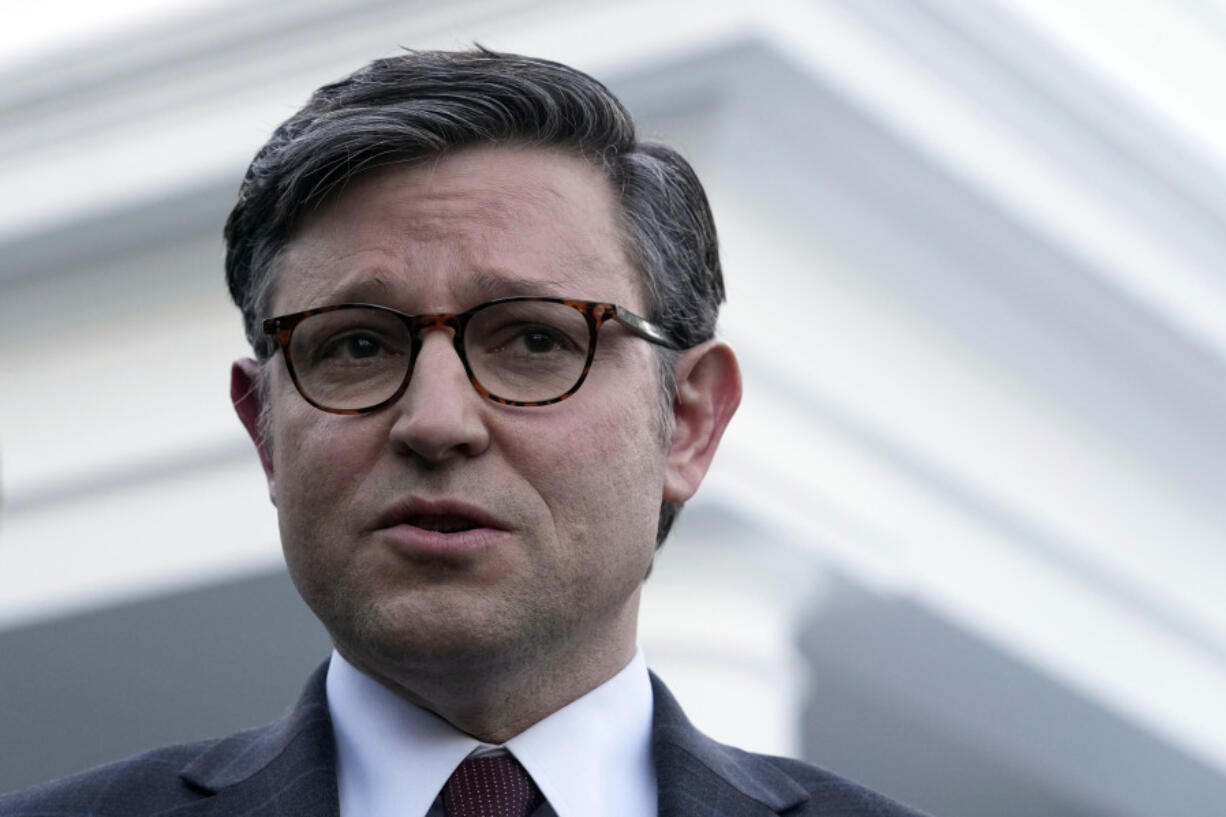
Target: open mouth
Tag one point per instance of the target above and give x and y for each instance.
(441, 516)
(442, 523)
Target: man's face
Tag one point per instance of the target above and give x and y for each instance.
(564, 498)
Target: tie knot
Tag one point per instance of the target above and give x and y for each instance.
(490, 786)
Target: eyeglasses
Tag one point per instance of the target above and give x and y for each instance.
(520, 351)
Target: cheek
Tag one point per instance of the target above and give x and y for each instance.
(318, 460)
(320, 464)
(600, 473)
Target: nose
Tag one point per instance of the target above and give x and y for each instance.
(440, 413)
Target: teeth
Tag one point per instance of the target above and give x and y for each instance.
(442, 524)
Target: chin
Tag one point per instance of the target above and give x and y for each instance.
(405, 636)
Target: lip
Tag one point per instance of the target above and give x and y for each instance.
(394, 524)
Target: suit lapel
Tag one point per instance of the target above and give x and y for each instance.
(287, 769)
(697, 776)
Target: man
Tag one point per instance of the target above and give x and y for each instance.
(485, 380)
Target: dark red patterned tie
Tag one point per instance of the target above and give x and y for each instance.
(490, 786)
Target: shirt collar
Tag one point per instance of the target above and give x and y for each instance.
(591, 758)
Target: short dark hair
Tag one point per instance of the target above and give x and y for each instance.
(422, 104)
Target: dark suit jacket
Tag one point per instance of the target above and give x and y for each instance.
(287, 769)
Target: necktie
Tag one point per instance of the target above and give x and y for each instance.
(490, 786)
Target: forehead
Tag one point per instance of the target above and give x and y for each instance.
(471, 225)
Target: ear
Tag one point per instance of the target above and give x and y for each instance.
(247, 400)
(708, 393)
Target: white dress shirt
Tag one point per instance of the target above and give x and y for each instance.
(591, 758)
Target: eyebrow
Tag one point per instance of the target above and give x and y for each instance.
(487, 285)
(372, 288)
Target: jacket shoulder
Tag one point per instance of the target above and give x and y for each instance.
(291, 759)
(692, 769)
(831, 795)
(135, 786)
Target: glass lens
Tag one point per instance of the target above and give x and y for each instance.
(527, 350)
(351, 358)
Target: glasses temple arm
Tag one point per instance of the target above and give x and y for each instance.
(644, 328)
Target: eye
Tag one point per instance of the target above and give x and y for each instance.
(540, 341)
(352, 346)
(527, 333)
(533, 340)
(361, 346)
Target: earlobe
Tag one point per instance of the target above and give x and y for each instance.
(708, 393)
(247, 398)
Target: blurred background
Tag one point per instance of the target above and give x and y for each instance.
(964, 541)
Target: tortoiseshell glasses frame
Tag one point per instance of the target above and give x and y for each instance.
(595, 315)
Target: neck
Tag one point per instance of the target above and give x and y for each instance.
(495, 699)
